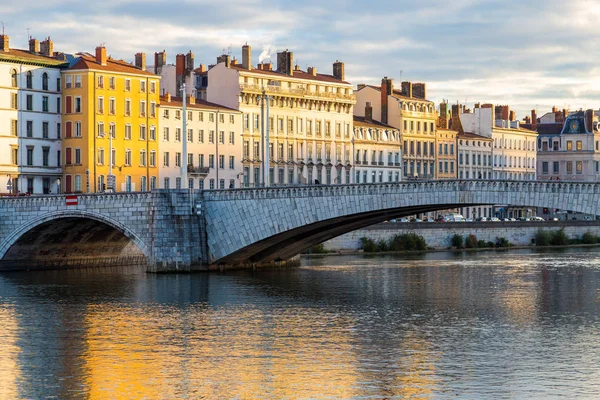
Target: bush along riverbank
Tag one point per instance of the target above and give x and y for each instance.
(414, 242)
(560, 238)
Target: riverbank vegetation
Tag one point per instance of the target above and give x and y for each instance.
(471, 242)
(560, 238)
(405, 242)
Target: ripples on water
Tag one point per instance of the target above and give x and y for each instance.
(483, 325)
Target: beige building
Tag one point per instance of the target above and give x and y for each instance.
(377, 151)
(513, 149)
(310, 119)
(446, 154)
(214, 152)
(409, 111)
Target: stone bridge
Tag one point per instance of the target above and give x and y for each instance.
(180, 230)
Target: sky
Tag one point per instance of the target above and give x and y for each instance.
(524, 53)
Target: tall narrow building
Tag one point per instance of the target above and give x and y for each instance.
(106, 98)
(30, 118)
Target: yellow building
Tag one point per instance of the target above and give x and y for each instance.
(106, 98)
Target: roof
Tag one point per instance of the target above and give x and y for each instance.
(361, 121)
(87, 61)
(199, 104)
(396, 93)
(469, 135)
(546, 129)
(25, 56)
(298, 74)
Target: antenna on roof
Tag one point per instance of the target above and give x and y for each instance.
(2, 22)
(229, 50)
(28, 32)
(400, 75)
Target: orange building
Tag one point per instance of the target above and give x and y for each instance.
(105, 98)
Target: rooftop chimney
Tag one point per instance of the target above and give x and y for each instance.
(224, 58)
(191, 99)
(285, 63)
(368, 112)
(4, 43)
(160, 59)
(338, 71)
(246, 57)
(168, 97)
(589, 121)
(513, 115)
(140, 61)
(419, 90)
(387, 88)
(100, 55)
(312, 71)
(554, 109)
(202, 68)
(565, 114)
(47, 47)
(34, 45)
(407, 89)
(533, 120)
(189, 62)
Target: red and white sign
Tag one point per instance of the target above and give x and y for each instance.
(71, 200)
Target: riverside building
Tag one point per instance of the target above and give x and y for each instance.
(30, 118)
(310, 119)
(106, 98)
(214, 151)
(409, 111)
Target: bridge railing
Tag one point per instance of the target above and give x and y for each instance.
(418, 186)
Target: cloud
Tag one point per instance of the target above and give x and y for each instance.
(538, 52)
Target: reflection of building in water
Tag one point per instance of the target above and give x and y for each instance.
(9, 353)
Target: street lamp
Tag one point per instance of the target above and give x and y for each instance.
(265, 137)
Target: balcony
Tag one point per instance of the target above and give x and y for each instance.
(296, 92)
(198, 170)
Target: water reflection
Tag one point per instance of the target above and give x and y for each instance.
(517, 324)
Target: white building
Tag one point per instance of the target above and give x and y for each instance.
(310, 119)
(30, 117)
(377, 151)
(214, 148)
(409, 111)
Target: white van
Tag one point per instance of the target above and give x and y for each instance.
(454, 218)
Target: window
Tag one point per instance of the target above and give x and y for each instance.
(77, 129)
(100, 159)
(555, 167)
(579, 167)
(152, 182)
(579, 145)
(29, 129)
(569, 145)
(45, 129)
(211, 117)
(201, 136)
(211, 137)
(166, 159)
(101, 81)
(29, 80)
(167, 183)
(45, 156)
(127, 107)
(14, 124)
(78, 183)
(152, 109)
(128, 131)
(190, 136)
(143, 86)
(77, 104)
(231, 119)
(142, 158)
(14, 101)
(142, 108)
(112, 130)
(569, 167)
(128, 157)
(211, 161)
(77, 81)
(153, 132)
(166, 134)
(100, 129)
(29, 156)
(13, 78)
(153, 158)
(178, 159)
(29, 102)
(112, 106)
(200, 116)
(111, 82)
(44, 81)
(142, 132)
(128, 85)
(222, 137)
(100, 105)
(545, 167)
(58, 105)
(143, 184)
(152, 87)
(231, 162)
(178, 134)
(221, 162)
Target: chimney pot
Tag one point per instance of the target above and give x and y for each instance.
(160, 59)
(4, 46)
(285, 63)
(312, 71)
(246, 57)
(34, 45)
(338, 71)
(47, 47)
(100, 55)
(140, 61)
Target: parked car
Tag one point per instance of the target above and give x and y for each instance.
(587, 218)
(495, 219)
(454, 218)
(468, 219)
(393, 220)
(482, 219)
(537, 219)
(403, 220)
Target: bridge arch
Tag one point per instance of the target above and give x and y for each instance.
(33, 239)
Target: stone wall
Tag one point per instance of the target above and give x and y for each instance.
(438, 235)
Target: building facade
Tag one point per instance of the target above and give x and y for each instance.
(110, 112)
(309, 123)
(214, 150)
(446, 153)
(30, 118)
(409, 111)
(377, 150)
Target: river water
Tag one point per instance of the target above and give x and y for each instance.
(518, 324)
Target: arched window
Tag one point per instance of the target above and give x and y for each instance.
(45, 81)
(13, 78)
(29, 80)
